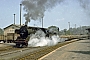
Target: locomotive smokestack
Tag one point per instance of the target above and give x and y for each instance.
(20, 13)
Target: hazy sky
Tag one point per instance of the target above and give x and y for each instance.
(60, 15)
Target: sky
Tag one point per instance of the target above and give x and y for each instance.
(60, 15)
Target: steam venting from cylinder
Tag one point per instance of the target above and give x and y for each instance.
(35, 9)
(39, 39)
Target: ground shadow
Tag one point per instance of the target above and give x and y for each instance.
(85, 42)
(88, 46)
(82, 52)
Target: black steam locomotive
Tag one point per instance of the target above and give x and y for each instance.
(25, 31)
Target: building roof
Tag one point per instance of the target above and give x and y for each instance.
(12, 25)
(16, 25)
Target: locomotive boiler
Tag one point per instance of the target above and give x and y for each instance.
(25, 32)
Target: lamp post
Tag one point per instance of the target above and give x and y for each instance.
(14, 19)
(20, 13)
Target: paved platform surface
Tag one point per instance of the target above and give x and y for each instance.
(79, 50)
(6, 44)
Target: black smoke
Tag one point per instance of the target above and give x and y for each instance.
(35, 9)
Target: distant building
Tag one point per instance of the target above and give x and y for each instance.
(9, 32)
(88, 32)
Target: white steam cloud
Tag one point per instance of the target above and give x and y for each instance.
(35, 9)
(39, 39)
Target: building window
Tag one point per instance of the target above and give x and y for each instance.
(13, 27)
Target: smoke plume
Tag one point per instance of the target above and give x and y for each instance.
(35, 9)
(85, 4)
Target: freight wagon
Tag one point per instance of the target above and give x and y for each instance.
(9, 38)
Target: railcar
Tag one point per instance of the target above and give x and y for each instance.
(88, 33)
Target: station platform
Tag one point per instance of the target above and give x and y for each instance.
(79, 50)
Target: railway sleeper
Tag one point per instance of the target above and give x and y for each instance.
(21, 45)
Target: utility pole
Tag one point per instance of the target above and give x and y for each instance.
(20, 13)
(69, 27)
(14, 19)
(75, 26)
(75, 29)
(80, 29)
(42, 22)
(14, 24)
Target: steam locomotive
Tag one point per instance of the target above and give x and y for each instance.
(24, 34)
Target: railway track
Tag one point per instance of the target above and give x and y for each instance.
(40, 53)
(31, 53)
(12, 55)
(8, 49)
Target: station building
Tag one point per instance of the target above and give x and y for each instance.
(9, 32)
